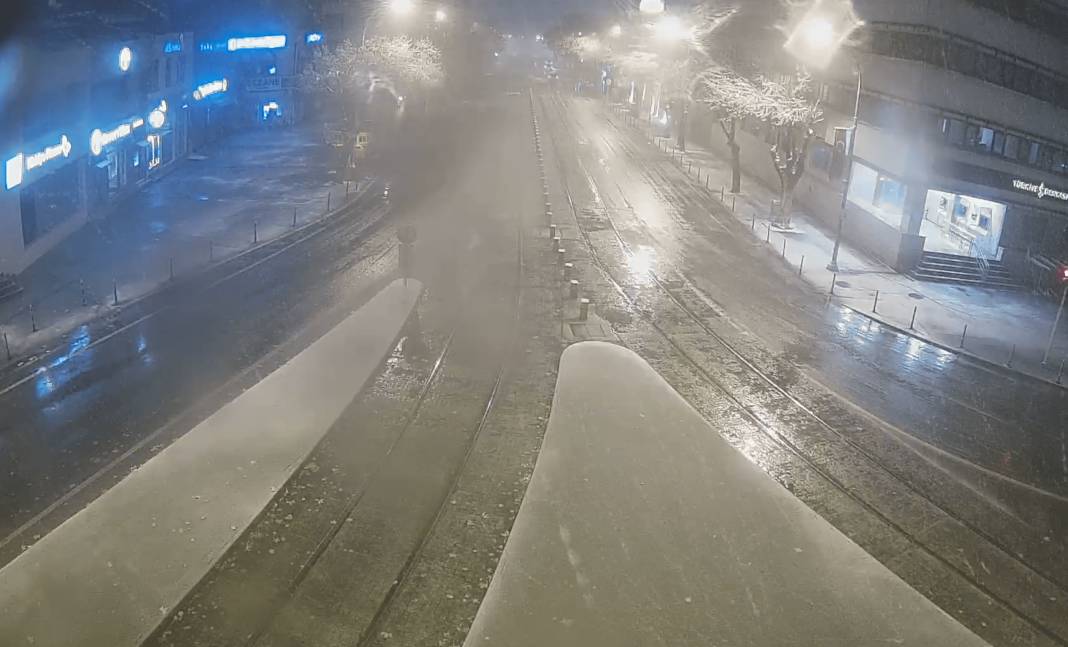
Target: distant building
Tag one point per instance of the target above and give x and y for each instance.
(88, 118)
(963, 143)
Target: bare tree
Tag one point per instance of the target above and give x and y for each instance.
(731, 98)
(397, 60)
(790, 109)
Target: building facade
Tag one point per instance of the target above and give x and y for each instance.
(91, 123)
(963, 140)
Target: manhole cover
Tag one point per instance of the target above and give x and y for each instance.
(916, 295)
(842, 284)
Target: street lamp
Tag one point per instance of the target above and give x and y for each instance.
(815, 40)
(616, 31)
(671, 29)
(651, 6)
(401, 7)
(440, 16)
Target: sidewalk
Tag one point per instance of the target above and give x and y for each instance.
(210, 207)
(1009, 329)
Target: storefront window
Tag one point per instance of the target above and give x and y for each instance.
(879, 195)
(48, 202)
(962, 225)
(985, 140)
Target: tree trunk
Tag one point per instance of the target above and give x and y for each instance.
(736, 156)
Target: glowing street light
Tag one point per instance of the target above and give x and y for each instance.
(671, 29)
(616, 31)
(401, 7)
(814, 41)
(440, 16)
(651, 6)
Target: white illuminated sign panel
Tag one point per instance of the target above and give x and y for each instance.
(208, 89)
(99, 139)
(1040, 190)
(17, 167)
(256, 42)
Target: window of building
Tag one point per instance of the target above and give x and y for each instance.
(879, 195)
(1032, 154)
(985, 139)
(1012, 147)
(1060, 162)
(999, 143)
(956, 131)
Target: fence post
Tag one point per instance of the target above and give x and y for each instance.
(875, 305)
(912, 324)
(963, 335)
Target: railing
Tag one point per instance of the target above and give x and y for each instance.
(981, 259)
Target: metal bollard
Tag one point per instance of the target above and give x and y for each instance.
(767, 239)
(689, 168)
(1012, 356)
(294, 216)
(573, 287)
(33, 319)
(556, 241)
(706, 181)
(211, 251)
(584, 309)
(722, 194)
(552, 232)
(753, 225)
(329, 194)
(568, 271)
(560, 253)
(964, 335)
(85, 298)
(115, 290)
(834, 279)
(1060, 373)
(255, 232)
(172, 268)
(784, 247)
(548, 207)
(912, 324)
(7, 350)
(734, 200)
(346, 188)
(875, 305)
(801, 269)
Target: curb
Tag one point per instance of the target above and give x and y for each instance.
(1001, 368)
(109, 310)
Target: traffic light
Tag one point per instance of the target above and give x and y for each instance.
(1062, 275)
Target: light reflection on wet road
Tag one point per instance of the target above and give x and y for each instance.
(1010, 425)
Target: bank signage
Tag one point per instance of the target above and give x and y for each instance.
(1040, 190)
(22, 163)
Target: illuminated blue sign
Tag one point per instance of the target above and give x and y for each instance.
(22, 163)
(172, 47)
(210, 88)
(256, 42)
(313, 37)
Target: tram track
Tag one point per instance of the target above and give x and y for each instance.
(1018, 594)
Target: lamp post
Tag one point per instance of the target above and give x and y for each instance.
(814, 41)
